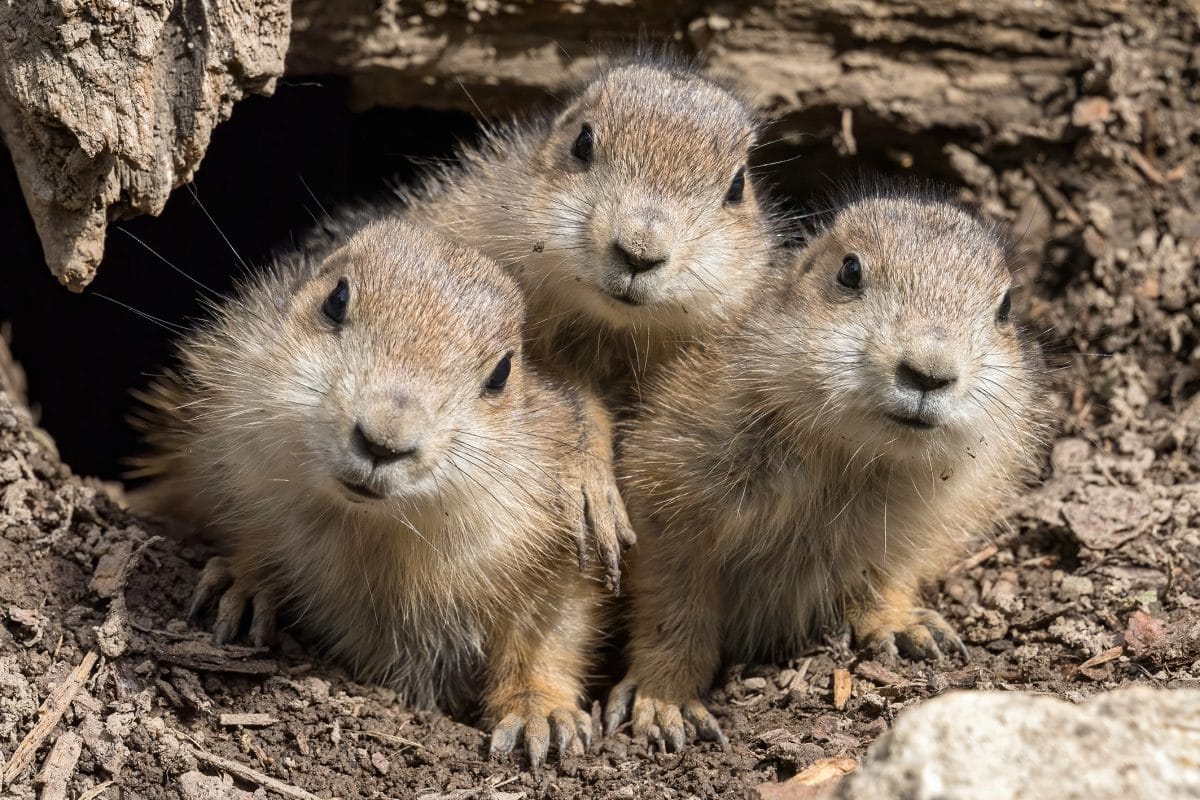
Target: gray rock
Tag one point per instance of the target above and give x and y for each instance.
(1125, 745)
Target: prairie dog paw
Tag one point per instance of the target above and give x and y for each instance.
(607, 522)
(660, 722)
(568, 727)
(923, 635)
(231, 594)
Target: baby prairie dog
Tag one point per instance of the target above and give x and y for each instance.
(826, 457)
(633, 226)
(629, 218)
(363, 434)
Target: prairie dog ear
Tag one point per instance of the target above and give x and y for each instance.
(336, 260)
(331, 262)
(571, 116)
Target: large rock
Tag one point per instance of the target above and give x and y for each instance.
(1124, 745)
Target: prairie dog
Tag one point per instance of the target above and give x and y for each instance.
(363, 433)
(633, 226)
(826, 456)
(629, 218)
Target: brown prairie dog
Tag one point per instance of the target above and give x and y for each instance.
(629, 218)
(826, 457)
(363, 432)
(633, 226)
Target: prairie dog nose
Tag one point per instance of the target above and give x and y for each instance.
(635, 262)
(390, 427)
(641, 242)
(381, 450)
(927, 377)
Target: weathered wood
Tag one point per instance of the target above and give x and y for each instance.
(1000, 68)
(108, 106)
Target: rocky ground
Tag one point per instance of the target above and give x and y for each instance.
(1090, 584)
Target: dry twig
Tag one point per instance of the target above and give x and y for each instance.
(252, 775)
(247, 720)
(973, 560)
(49, 714)
(60, 765)
(95, 791)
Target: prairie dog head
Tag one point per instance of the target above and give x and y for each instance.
(385, 374)
(651, 219)
(898, 337)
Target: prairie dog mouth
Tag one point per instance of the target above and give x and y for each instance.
(914, 423)
(626, 290)
(625, 299)
(359, 490)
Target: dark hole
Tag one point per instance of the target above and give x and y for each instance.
(270, 170)
(82, 353)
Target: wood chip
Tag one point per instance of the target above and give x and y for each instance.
(826, 769)
(841, 688)
(813, 783)
(879, 674)
(252, 775)
(247, 720)
(95, 791)
(972, 561)
(49, 714)
(60, 766)
(205, 657)
(1111, 654)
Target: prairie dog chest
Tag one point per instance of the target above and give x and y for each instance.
(786, 547)
(406, 612)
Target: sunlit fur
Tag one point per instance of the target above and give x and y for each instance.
(770, 491)
(667, 145)
(461, 583)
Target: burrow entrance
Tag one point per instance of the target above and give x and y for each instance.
(271, 171)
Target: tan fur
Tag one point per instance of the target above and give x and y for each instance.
(770, 493)
(461, 584)
(667, 145)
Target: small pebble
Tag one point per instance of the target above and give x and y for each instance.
(755, 684)
(1075, 586)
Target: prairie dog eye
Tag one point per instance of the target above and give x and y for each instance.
(737, 188)
(1005, 310)
(337, 304)
(499, 377)
(582, 149)
(850, 275)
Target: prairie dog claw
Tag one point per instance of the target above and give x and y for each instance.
(570, 727)
(661, 722)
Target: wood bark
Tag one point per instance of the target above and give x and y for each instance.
(107, 106)
(1001, 69)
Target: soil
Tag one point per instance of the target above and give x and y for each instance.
(1090, 583)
